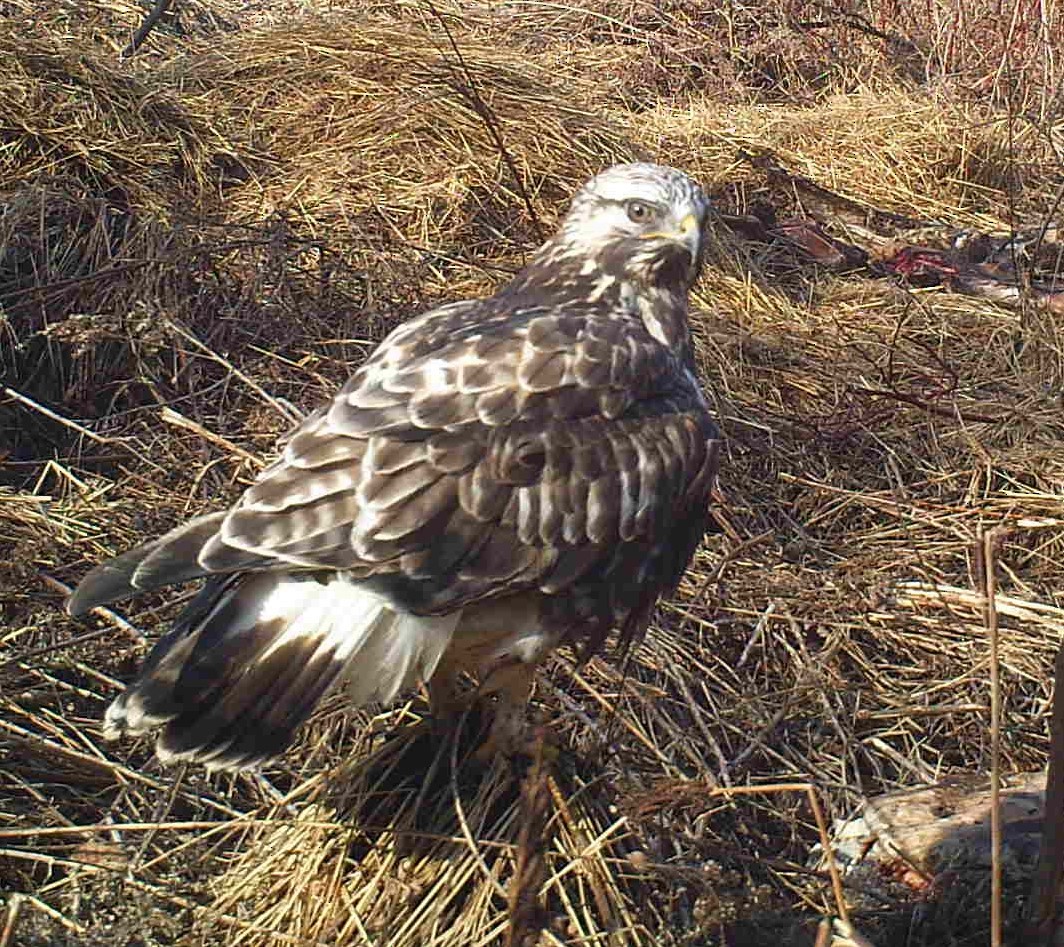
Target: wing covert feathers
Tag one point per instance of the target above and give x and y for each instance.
(473, 451)
(250, 657)
(478, 447)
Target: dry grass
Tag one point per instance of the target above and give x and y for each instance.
(196, 240)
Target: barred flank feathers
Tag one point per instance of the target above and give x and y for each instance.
(250, 657)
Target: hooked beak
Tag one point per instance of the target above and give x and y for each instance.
(690, 235)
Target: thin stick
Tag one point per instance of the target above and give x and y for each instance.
(846, 936)
(117, 620)
(287, 412)
(150, 22)
(825, 843)
(530, 867)
(66, 422)
(14, 906)
(821, 823)
(116, 771)
(170, 416)
(986, 546)
(51, 912)
(463, 824)
(491, 123)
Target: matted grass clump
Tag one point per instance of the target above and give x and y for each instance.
(384, 122)
(200, 242)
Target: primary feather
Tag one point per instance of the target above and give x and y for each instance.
(545, 451)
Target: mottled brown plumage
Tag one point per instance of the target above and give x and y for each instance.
(518, 470)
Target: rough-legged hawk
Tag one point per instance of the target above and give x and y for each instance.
(500, 476)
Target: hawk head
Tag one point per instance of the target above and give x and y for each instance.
(631, 244)
(639, 223)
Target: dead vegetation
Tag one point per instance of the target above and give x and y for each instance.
(200, 241)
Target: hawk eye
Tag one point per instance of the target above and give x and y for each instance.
(639, 212)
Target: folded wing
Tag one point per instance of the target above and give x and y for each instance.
(472, 455)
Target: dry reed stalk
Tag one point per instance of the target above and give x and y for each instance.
(11, 912)
(526, 914)
(986, 570)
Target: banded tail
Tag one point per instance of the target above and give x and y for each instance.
(251, 655)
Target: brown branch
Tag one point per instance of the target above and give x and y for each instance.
(156, 13)
(1044, 909)
(922, 403)
(526, 914)
(974, 264)
(767, 162)
(78, 280)
(848, 19)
